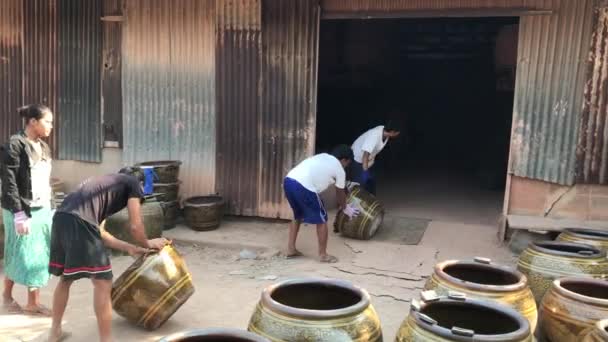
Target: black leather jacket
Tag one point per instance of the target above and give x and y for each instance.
(15, 173)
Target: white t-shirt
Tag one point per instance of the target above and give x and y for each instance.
(318, 172)
(371, 141)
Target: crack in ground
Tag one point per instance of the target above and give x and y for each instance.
(378, 274)
(356, 251)
(389, 296)
(420, 277)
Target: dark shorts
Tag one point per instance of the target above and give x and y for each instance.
(355, 174)
(77, 250)
(307, 206)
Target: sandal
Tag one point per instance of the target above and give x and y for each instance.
(64, 336)
(40, 310)
(330, 259)
(294, 255)
(12, 307)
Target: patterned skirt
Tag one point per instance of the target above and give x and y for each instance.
(26, 257)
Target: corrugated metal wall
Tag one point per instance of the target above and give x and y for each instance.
(553, 51)
(79, 95)
(169, 87)
(592, 151)
(418, 5)
(239, 57)
(290, 32)
(11, 31)
(40, 58)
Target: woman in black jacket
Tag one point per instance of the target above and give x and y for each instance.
(26, 208)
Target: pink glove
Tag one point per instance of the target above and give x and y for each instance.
(22, 223)
(351, 211)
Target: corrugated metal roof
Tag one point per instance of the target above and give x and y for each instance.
(592, 152)
(40, 58)
(169, 87)
(239, 57)
(11, 30)
(549, 91)
(290, 32)
(79, 95)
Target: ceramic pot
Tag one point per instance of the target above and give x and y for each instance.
(366, 224)
(543, 262)
(316, 310)
(481, 279)
(213, 335)
(463, 319)
(571, 306)
(203, 213)
(150, 291)
(167, 192)
(166, 170)
(170, 212)
(595, 238)
(152, 216)
(597, 333)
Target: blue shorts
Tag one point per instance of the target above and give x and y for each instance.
(307, 206)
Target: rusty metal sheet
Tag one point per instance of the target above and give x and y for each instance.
(239, 52)
(592, 151)
(40, 59)
(111, 89)
(290, 32)
(550, 80)
(431, 8)
(11, 31)
(79, 66)
(168, 87)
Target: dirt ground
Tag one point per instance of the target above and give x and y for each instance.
(227, 288)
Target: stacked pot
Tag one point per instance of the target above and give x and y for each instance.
(166, 188)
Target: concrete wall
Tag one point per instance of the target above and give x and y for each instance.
(538, 198)
(71, 172)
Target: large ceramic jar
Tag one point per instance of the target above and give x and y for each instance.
(365, 225)
(203, 213)
(167, 192)
(152, 216)
(595, 238)
(461, 319)
(543, 262)
(213, 335)
(571, 306)
(482, 279)
(597, 333)
(150, 291)
(167, 171)
(316, 310)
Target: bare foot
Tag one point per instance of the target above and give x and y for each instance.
(11, 306)
(330, 259)
(59, 337)
(293, 254)
(39, 310)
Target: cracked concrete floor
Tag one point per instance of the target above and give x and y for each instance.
(227, 289)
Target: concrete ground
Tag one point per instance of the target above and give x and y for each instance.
(227, 288)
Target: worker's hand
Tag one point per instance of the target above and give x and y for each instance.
(158, 243)
(351, 185)
(136, 251)
(22, 223)
(351, 211)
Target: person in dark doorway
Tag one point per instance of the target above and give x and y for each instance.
(26, 209)
(365, 150)
(302, 187)
(78, 241)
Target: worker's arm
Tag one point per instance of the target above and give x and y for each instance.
(341, 198)
(136, 226)
(114, 243)
(365, 160)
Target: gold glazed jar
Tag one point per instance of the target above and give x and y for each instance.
(316, 310)
(595, 238)
(213, 335)
(460, 319)
(571, 306)
(543, 262)
(597, 333)
(365, 225)
(150, 291)
(481, 279)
